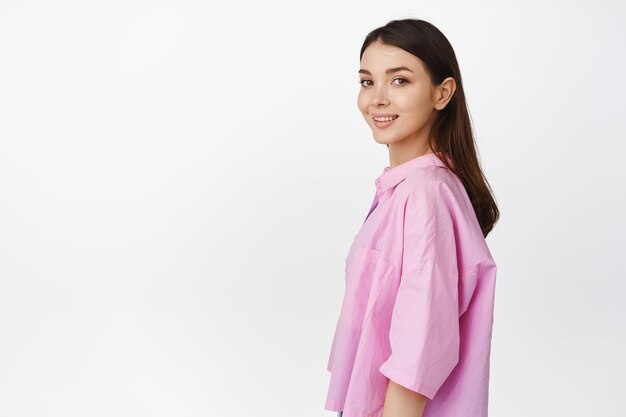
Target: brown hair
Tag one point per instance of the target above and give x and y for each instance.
(452, 129)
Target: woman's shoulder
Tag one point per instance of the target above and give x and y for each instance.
(431, 182)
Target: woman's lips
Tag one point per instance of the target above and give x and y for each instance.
(383, 125)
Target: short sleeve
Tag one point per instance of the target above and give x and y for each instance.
(424, 330)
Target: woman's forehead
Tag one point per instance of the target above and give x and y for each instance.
(389, 63)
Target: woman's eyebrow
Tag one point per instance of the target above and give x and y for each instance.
(389, 71)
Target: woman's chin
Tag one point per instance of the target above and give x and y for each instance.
(382, 140)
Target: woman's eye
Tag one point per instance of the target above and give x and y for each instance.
(404, 81)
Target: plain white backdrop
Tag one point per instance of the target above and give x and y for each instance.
(180, 183)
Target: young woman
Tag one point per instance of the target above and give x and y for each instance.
(414, 333)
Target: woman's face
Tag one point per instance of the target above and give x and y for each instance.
(394, 82)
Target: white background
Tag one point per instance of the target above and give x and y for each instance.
(180, 182)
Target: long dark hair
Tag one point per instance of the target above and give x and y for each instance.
(452, 129)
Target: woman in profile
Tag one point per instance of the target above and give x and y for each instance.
(413, 336)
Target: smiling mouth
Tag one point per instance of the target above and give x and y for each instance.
(384, 122)
(385, 119)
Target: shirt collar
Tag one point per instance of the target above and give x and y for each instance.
(393, 176)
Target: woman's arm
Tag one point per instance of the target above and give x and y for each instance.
(403, 402)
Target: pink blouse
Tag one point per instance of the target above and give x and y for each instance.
(419, 298)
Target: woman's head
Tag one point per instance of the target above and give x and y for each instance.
(395, 83)
(428, 98)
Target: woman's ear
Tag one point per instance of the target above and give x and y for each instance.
(445, 91)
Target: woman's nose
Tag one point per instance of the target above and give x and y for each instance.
(380, 96)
